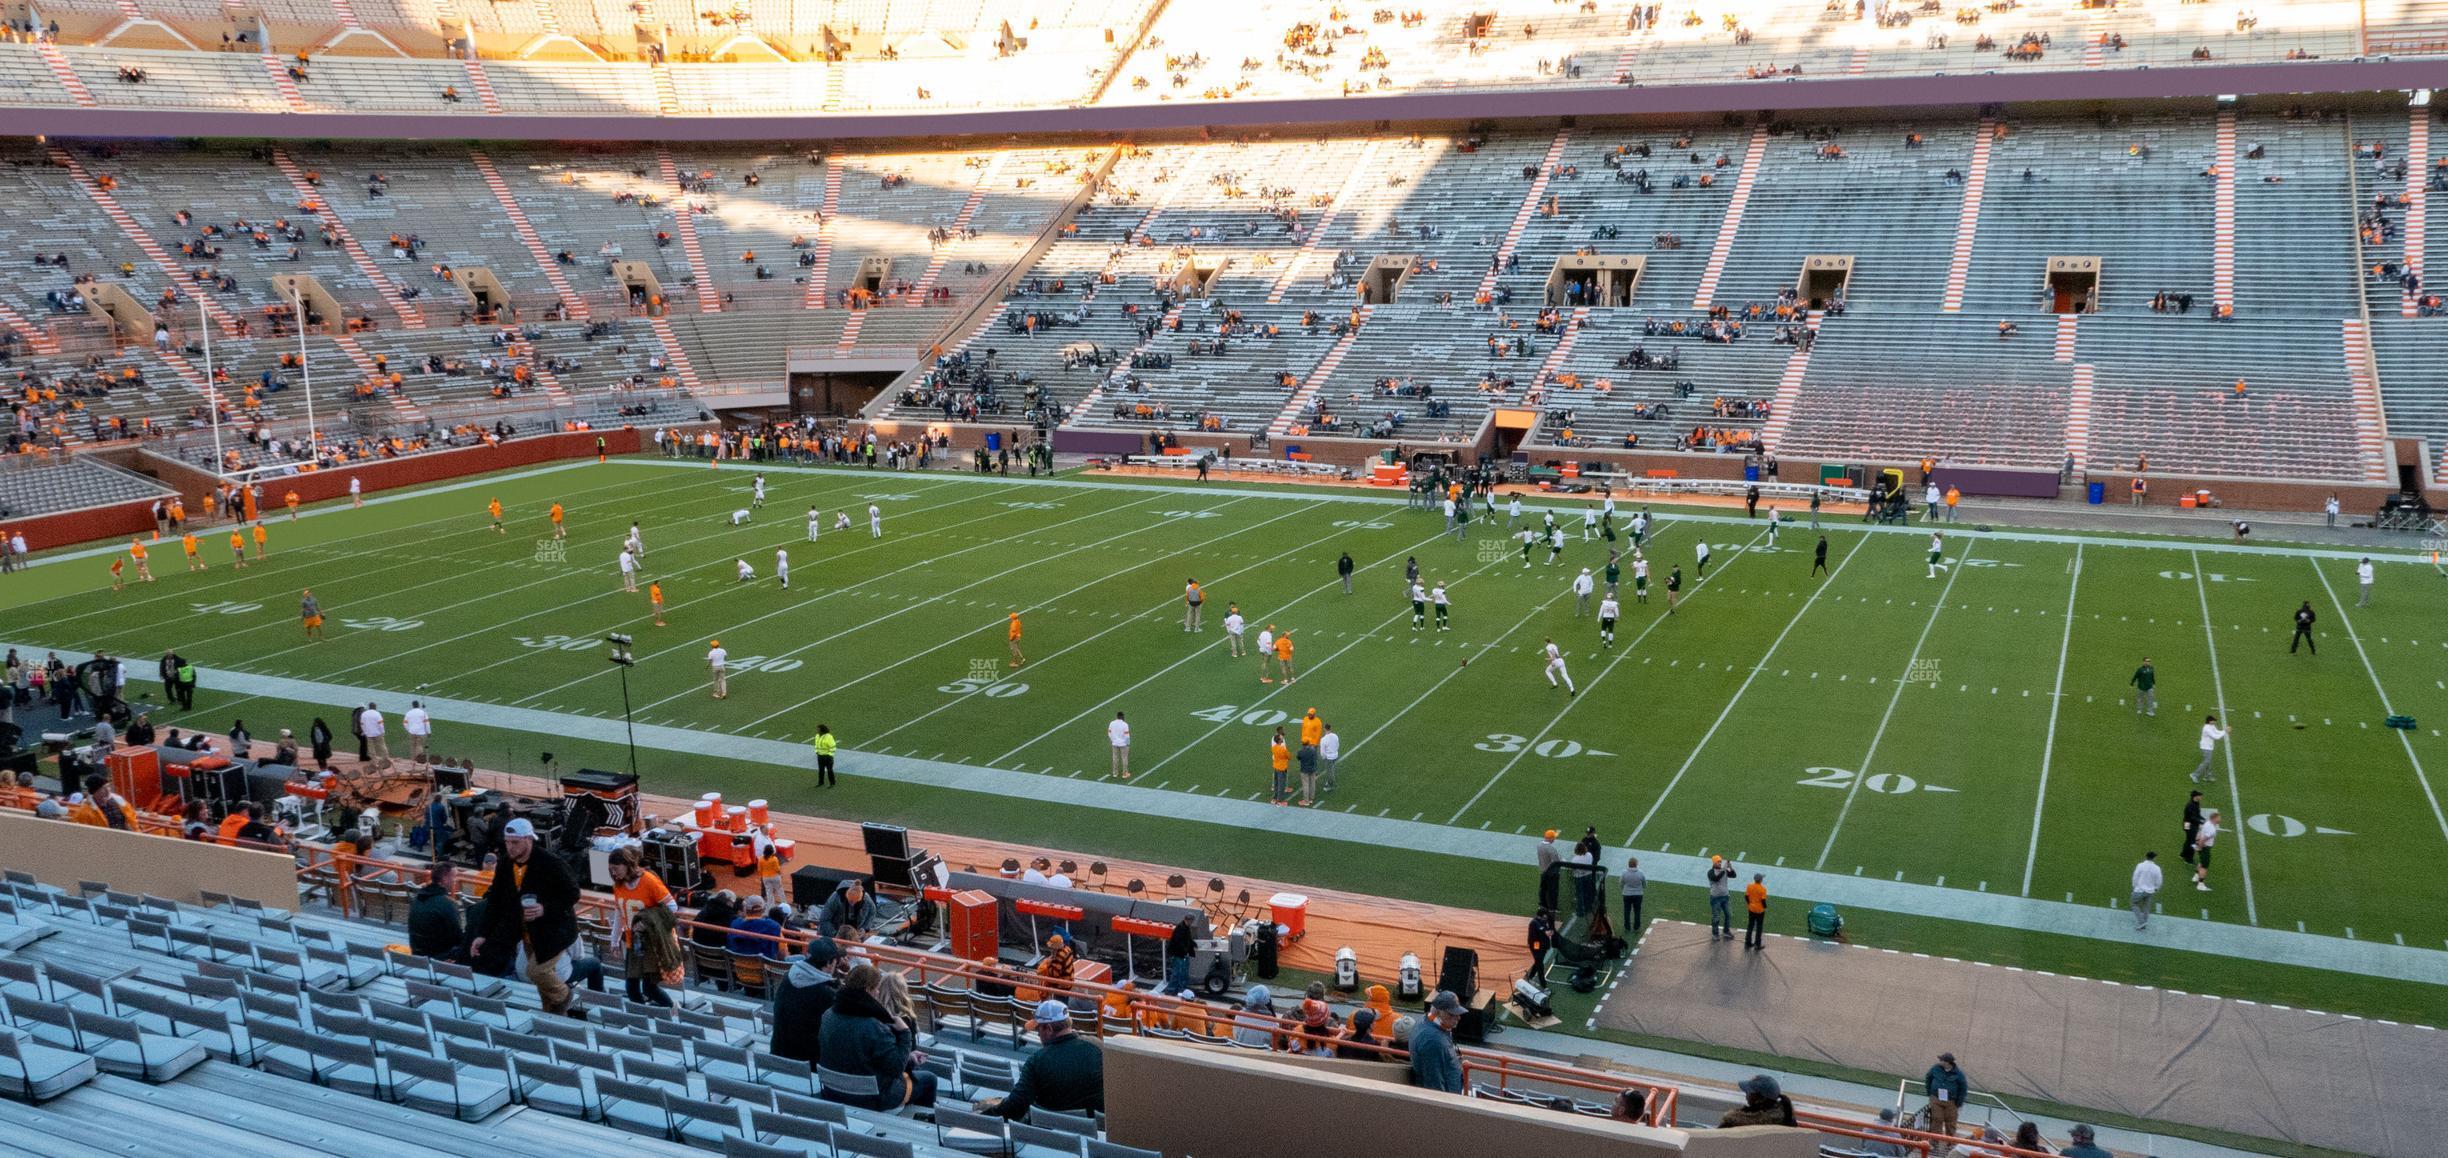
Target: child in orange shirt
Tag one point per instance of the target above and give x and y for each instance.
(195, 562)
(238, 550)
(494, 508)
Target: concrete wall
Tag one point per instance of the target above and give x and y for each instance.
(61, 854)
(1224, 1103)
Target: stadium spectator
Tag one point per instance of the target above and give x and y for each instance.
(1361, 1040)
(857, 1043)
(1884, 1140)
(1256, 1027)
(1947, 1088)
(1764, 1104)
(754, 934)
(100, 807)
(1065, 1075)
(2082, 1142)
(532, 902)
(845, 914)
(1551, 869)
(651, 918)
(1434, 1064)
(712, 928)
(1755, 909)
(319, 738)
(808, 990)
(1632, 1105)
(433, 916)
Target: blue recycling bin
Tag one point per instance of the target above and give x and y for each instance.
(2098, 493)
(994, 442)
(1750, 472)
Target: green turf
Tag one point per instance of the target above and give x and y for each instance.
(1821, 761)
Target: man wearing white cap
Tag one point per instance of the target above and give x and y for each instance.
(1582, 585)
(532, 904)
(718, 661)
(1066, 1076)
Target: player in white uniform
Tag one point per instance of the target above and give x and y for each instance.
(628, 570)
(739, 516)
(746, 572)
(841, 520)
(1608, 612)
(356, 492)
(1640, 577)
(1937, 553)
(1444, 607)
(875, 521)
(1266, 654)
(815, 521)
(1555, 670)
(1234, 625)
(1419, 607)
(1513, 511)
(1589, 524)
(1555, 544)
(782, 567)
(1702, 550)
(1776, 522)
(759, 500)
(636, 543)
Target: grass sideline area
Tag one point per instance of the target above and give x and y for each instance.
(1971, 732)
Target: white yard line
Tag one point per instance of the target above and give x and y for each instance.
(2048, 747)
(2385, 706)
(2235, 790)
(396, 537)
(899, 611)
(381, 600)
(1571, 701)
(1457, 669)
(1196, 652)
(1903, 681)
(1037, 606)
(1736, 698)
(1282, 685)
(489, 596)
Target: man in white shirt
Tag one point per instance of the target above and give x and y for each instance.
(1608, 612)
(875, 521)
(739, 517)
(1449, 512)
(746, 572)
(2146, 882)
(1513, 511)
(1234, 625)
(815, 520)
(1931, 501)
(2363, 578)
(356, 493)
(378, 748)
(1555, 668)
(1330, 749)
(759, 500)
(1589, 524)
(2211, 734)
(636, 542)
(1582, 585)
(1117, 734)
(2203, 838)
(628, 571)
(782, 567)
(1444, 606)
(2329, 512)
(1266, 654)
(1419, 607)
(419, 727)
(718, 661)
(1776, 522)
(1703, 551)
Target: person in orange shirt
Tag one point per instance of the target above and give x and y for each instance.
(208, 508)
(1312, 729)
(559, 531)
(1283, 654)
(144, 569)
(769, 873)
(1755, 901)
(1281, 757)
(118, 566)
(649, 919)
(654, 596)
(238, 550)
(291, 499)
(259, 541)
(228, 833)
(195, 562)
(493, 508)
(1017, 659)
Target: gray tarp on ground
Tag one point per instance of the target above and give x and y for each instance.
(2368, 1087)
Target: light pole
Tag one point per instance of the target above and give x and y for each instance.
(622, 659)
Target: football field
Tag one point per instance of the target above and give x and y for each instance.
(1966, 737)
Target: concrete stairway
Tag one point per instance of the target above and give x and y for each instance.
(1753, 156)
(1967, 226)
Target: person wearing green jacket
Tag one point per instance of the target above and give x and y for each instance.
(825, 743)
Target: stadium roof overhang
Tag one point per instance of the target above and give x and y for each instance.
(1832, 94)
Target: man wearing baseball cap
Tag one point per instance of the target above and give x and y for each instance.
(532, 904)
(1434, 1064)
(1947, 1088)
(1721, 912)
(2084, 1143)
(1067, 1075)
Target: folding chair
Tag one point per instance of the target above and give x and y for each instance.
(440, 1086)
(972, 1133)
(121, 1047)
(33, 1072)
(702, 1122)
(1025, 1137)
(770, 1124)
(636, 1107)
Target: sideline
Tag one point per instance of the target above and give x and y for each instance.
(2108, 923)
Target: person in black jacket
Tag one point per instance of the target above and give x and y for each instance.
(807, 992)
(1180, 949)
(533, 901)
(712, 929)
(857, 1042)
(433, 917)
(319, 735)
(1066, 1075)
